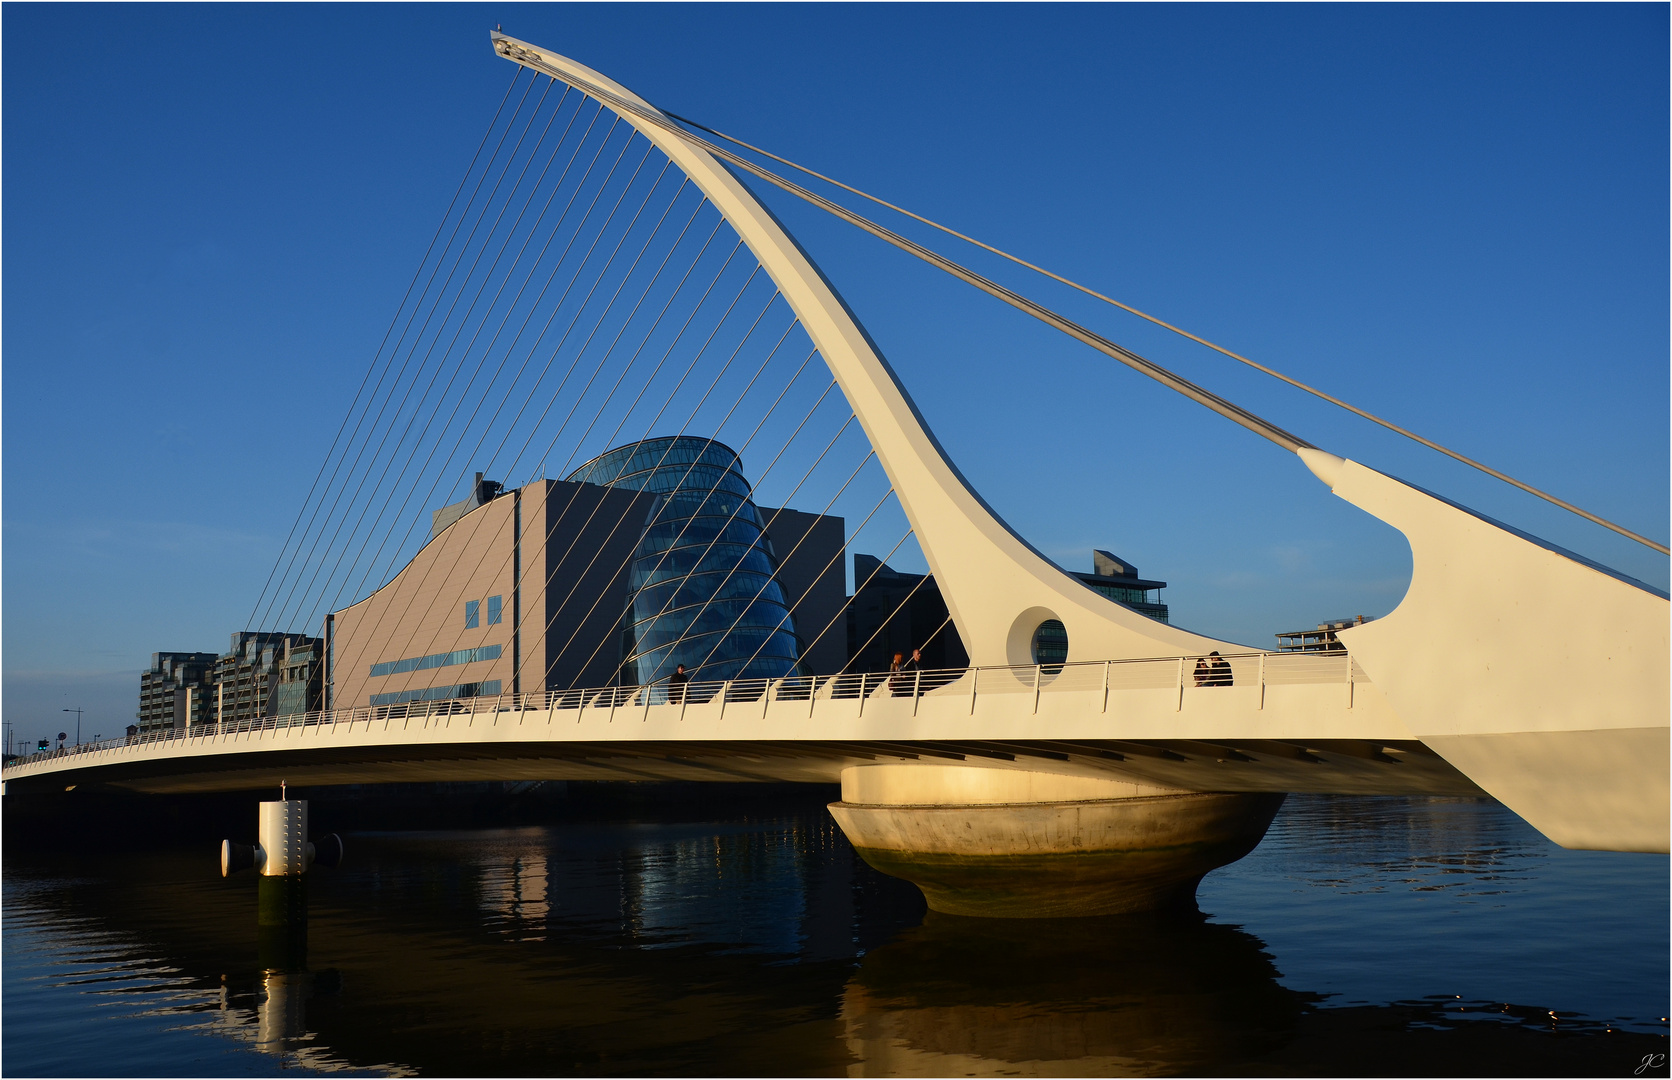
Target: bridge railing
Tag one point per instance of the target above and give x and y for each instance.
(804, 692)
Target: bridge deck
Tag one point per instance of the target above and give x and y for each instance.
(1285, 722)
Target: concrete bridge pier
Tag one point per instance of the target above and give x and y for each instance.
(1008, 843)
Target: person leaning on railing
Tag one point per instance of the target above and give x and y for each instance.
(1212, 670)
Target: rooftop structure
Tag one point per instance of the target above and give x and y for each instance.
(481, 492)
(1118, 579)
(1321, 640)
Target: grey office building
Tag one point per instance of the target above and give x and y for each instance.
(176, 691)
(267, 674)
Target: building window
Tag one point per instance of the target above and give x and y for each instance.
(437, 660)
(1050, 645)
(472, 614)
(490, 688)
(494, 610)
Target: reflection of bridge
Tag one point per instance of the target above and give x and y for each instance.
(466, 930)
(1511, 666)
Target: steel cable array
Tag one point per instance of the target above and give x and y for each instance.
(254, 618)
(409, 442)
(284, 612)
(416, 274)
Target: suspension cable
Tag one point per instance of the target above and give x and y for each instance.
(377, 421)
(430, 422)
(672, 443)
(511, 348)
(416, 274)
(701, 303)
(765, 529)
(790, 611)
(441, 363)
(413, 522)
(1165, 325)
(859, 586)
(580, 309)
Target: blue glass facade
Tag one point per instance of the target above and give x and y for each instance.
(701, 585)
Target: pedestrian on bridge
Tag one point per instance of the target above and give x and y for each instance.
(905, 683)
(676, 684)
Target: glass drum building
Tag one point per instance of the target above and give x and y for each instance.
(702, 589)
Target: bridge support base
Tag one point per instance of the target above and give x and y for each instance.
(1005, 843)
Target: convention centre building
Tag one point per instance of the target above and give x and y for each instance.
(649, 556)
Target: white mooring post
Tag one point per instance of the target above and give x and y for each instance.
(283, 835)
(282, 848)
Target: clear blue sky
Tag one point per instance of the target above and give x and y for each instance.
(1452, 215)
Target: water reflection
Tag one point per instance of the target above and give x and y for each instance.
(767, 947)
(516, 891)
(1124, 995)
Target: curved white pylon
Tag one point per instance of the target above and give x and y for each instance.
(998, 588)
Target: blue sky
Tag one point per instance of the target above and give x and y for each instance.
(1451, 215)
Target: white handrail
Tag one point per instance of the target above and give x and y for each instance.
(1253, 668)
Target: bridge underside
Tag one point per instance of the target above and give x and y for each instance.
(1344, 766)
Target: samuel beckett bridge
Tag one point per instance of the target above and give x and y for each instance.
(607, 301)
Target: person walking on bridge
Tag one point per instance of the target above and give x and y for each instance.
(676, 685)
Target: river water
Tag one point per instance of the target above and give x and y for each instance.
(1365, 936)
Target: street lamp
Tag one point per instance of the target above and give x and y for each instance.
(77, 725)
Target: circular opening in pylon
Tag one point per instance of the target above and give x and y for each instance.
(1050, 645)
